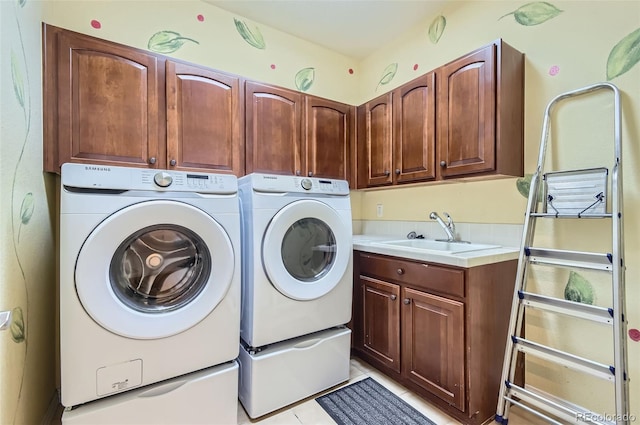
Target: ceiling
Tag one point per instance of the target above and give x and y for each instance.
(354, 28)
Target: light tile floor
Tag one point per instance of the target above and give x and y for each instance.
(309, 412)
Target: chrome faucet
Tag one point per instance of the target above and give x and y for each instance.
(449, 227)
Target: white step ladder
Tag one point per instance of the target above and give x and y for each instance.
(569, 205)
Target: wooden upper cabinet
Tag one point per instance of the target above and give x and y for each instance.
(273, 130)
(110, 104)
(465, 119)
(397, 134)
(204, 120)
(101, 102)
(329, 131)
(481, 113)
(377, 138)
(466, 143)
(414, 125)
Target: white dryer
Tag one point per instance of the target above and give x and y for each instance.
(297, 256)
(149, 277)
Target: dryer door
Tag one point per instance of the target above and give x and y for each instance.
(306, 249)
(154, 269)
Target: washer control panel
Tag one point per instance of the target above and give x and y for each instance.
(125, 178)
(192, 182)
(294, 184)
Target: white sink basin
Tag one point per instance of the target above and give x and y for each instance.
(442, 247)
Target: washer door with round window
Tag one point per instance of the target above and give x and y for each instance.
(154, 269)
(306, 250)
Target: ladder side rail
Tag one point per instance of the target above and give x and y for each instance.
(517, 310)
(618, 281)
(510, 354)
(620, 324)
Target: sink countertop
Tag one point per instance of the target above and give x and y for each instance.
(367, 243)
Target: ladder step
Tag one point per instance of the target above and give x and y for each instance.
(572, 361)
(568, 412)
(562, 258)
(586, 215)
(570, 308)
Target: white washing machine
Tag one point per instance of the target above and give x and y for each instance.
(297, 255)
(149, 277)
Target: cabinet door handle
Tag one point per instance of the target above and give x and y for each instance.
(443, 164)
(152, 160)
(310, 173)
(387, 173)
(393, 297)
(400, 271)
(406, 301)
(172, 162)
(397, 171)
(297, 172)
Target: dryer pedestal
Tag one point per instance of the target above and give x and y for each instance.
(208, 396)
(289, 371)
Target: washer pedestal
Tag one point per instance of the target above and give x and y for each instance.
(289, 371)
(208, 396)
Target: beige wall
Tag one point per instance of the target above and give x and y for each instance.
(27, 276)
(577, 41)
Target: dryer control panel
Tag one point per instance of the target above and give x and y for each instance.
(87, 176)
(294, 184)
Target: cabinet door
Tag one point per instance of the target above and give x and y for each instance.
(378, 140)
(204, 120)
(414, 124)
(381, 321)
(329, 129)
(273, 130)
(433, 345)
(466, 111)
(107, 102)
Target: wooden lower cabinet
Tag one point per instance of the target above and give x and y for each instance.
(381, 321)
(438, 330)
(433, 344)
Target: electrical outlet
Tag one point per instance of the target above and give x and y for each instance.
(379, 210)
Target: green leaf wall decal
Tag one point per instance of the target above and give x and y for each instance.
(27, 207)
(18, 81)
(578, 289)
(524, 185)
(388, 74)
(437, 28)
(17, 325)
(624, 55)
(304, 78)
(534, 13)
(253, 36)
(167, 41)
